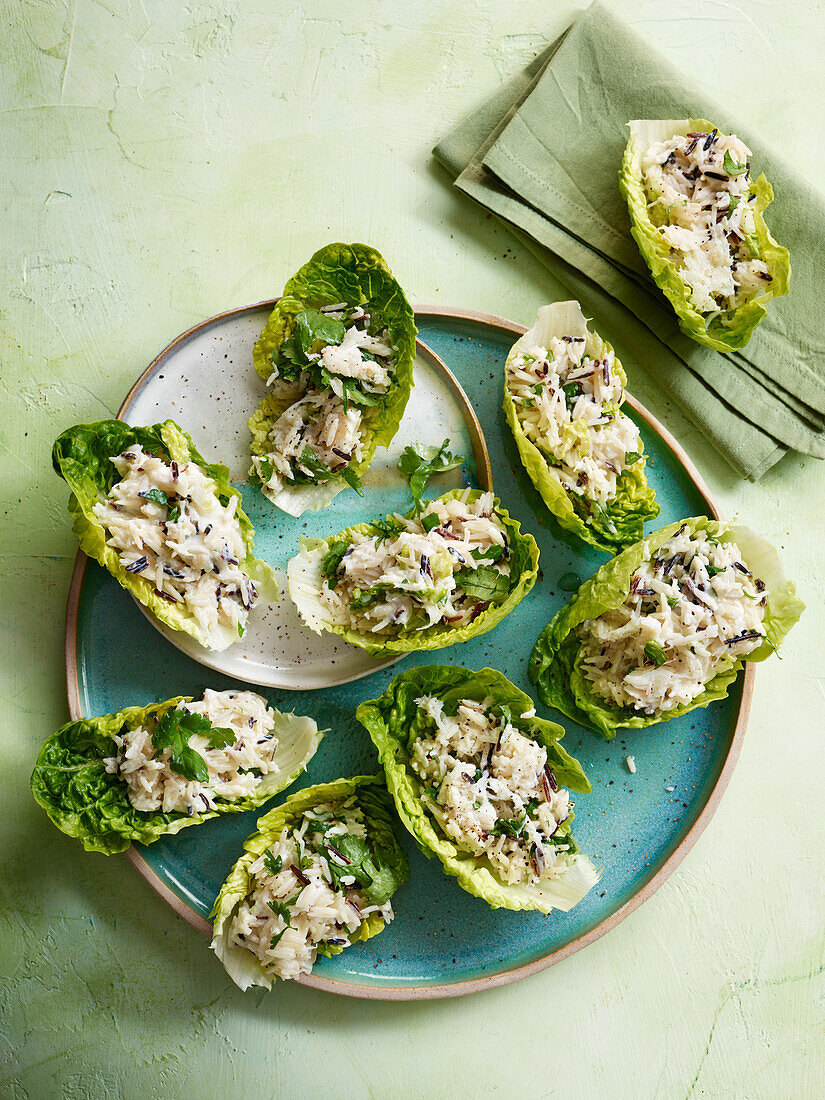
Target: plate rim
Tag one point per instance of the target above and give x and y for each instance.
(506, 977)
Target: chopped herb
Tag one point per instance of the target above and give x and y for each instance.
(509, 828)
(267, 469)
(672, 600)
(174, 514)
(173, 732)
(419, 463)
(274, 864)
(277, 937)
(731, 167)
(631, 457)
(315, 330)
(492, 553)
(572, 392)
(337, 550)
(429, 521)
(713, 570)
(281, 908)
(485, 583)
(387, 528)
(156, 496)
(352, 479)
(655, 654)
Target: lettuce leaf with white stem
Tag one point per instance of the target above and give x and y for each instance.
(725, 332)
(388, 869)
(83, 800)
(608, 527)
(394, 722)
(358, 275)
(82, 457)
(554, 664)
(305, 573)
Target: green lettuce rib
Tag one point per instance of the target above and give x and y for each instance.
(393, 721)
(731, 330)
(305, 576)
(621, 521)
(83, 800)
(242, 966)
(555, 661)
(81, 456)
(359, 275)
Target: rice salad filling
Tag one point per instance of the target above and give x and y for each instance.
(567, 404)
(413, 572)
(693, 610)
(169, 527)
(332, 374)
(701, 202)
(490, 789)
(301, 896)
(236, 765)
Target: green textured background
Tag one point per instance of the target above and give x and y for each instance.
(161, 162)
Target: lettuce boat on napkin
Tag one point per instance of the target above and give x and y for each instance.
(665, 627)
(450, 569)
(337, 353)
(698, 220)
(316, 877)
(481, 783)
(166, 524)
(147, 772)
(563, 391)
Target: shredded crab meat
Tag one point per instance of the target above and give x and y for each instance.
(568, 404)
(286, 917)
(489, 788)
(318, 421)
(235, 771)
(407, 581)
(190, 548)
(704, 212)
(694, 608)
(329, 421)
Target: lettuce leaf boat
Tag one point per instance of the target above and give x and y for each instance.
(730, 323)
(83, 455)
(584, 455)
(413, 592)
(84, 800)
(338, 353)
(403, 715)
(556, 664)
(378, 865)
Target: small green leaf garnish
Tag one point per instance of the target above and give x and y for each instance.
(655, 654)
(156, 496)
(274, 864)
(430, 521)
(509, 828)
(419, 463)
(714, 570)
(631, 457)
(173, 732)
(731, 167)
(331, 562)
(673, 600)
(174, 514)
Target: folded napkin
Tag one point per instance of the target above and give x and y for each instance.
(544, 155)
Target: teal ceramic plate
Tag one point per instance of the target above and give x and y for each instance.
(443, 942)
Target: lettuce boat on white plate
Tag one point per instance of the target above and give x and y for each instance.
(482, 784)
(439, 575)
(665, 627)
(563, 392)
(147, 772)
(337, 353)
(317, 876)
(166, 524)
(698, 219)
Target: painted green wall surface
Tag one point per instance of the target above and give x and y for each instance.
(161, 162)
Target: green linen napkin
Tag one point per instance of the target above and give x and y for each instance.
(544, 155)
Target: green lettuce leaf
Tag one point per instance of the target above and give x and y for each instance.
(726, 332)
(85, 801)
(387, 857)
(81, 456)
(358, 275)
(622, 520)
(305, 573)
(554, 664)
(394, 722)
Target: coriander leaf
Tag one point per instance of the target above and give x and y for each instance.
(655, 654)
(310, 461)
(352, 479)
(731, 167)
(174, 514)
(509, 828)
(377, 881)
(281, 908)
(315, 330)
(572, 392)
(430, 521)
(274, 864)
(275, 939)
(173, 732)
(713, 570)
(335, 554)
(492, 553)
(485, 583)
(266, 469)
(156, 496)
(368, 596)
(734, 202)
(672, 600)
(631, 457)
(419, 463)
(386, 528)
(221, 736)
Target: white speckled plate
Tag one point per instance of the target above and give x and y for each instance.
(205, 381)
